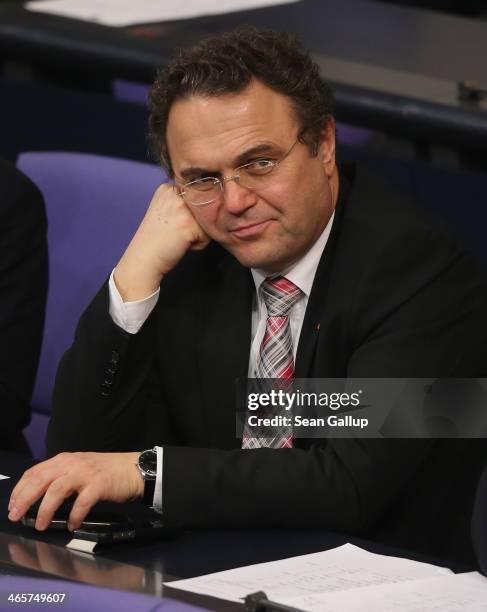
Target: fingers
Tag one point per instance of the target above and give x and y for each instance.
(93, 476)
(201, 243)
(199, 238)
(56, 479)
(30, 476)
(33, 485)
(167, 231)
(59, 490)
(83, 504)
(174, 212)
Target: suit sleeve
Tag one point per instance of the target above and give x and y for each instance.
(106, 392)
(23, 289)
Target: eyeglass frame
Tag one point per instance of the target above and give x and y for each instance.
(234, 177)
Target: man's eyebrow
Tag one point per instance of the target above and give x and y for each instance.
(195, 171)
(259, 149)
(192, 172)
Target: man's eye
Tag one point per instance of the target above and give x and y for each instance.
(260, 166)
(206, 177)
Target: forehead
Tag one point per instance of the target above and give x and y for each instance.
(212, 130)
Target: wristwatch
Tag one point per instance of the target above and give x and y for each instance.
(147, 465)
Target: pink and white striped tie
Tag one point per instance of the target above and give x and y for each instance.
(276, 355)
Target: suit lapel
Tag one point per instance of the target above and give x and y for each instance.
(317, 300)
(315, 311)
(224, 348)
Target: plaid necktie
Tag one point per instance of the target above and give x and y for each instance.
(276, 356)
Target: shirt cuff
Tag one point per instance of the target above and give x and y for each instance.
(130, 316)
(157, 505)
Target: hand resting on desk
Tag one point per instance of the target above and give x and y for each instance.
(92, 476)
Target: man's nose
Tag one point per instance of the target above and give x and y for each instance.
(237, 198)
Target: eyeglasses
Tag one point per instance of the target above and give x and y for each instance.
(254, 175)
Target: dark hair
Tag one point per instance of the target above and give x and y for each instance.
(225, 64)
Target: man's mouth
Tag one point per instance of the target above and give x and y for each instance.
(250, 230)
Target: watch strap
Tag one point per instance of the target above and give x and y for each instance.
(149, 490)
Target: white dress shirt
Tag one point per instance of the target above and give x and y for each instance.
(130, 316)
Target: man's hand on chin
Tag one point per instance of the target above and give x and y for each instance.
(92, 476)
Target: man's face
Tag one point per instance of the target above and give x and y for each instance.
(271, 227)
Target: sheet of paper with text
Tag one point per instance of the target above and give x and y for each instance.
(337, 570)
(457, 593)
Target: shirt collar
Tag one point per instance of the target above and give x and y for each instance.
(302, 273)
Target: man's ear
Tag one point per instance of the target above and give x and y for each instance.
(326, 149)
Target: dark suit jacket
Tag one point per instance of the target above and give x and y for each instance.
(23, 290)
(394, 296)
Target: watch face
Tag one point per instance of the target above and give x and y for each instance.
(148, 463)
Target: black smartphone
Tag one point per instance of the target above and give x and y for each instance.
(96, 520)
(111, 526)
(116, 533)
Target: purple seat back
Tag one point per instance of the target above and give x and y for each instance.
(94, 205)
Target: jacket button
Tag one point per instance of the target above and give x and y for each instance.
(105, 390)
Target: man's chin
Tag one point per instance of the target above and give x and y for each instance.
(269, 261)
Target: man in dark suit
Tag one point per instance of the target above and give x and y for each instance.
(272, 262)
(23, 290)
